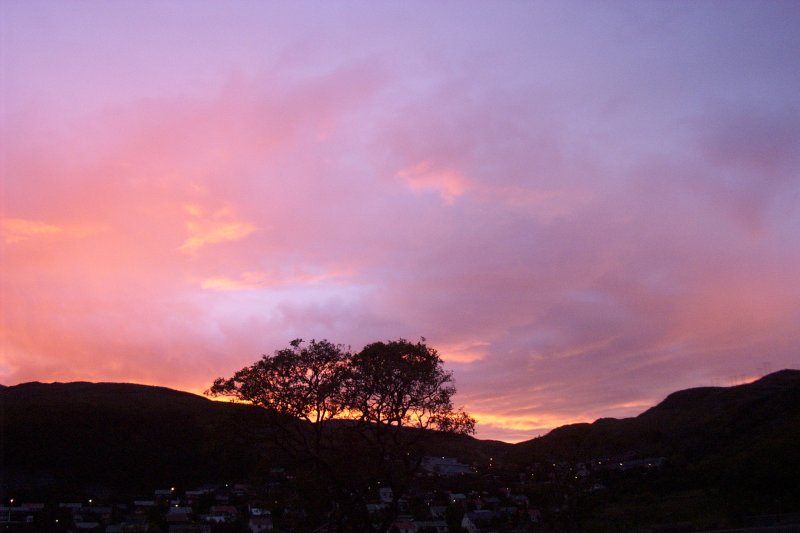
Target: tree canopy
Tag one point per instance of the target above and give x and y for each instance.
(396, 383)
(389, 397)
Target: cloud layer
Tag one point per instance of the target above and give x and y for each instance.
(583, 207)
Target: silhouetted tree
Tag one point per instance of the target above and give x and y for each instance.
(360, 420)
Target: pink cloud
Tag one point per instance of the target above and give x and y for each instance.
(449, 184)
(561, 206)
(751, 160)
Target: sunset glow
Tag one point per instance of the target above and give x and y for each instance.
(583, 206)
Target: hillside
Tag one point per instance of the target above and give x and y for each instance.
(120, 439)
(694, 423)
(66, 437)
(738, 444)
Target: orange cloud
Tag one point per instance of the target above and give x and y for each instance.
(20, 229)
(261, 280)
(464, 352)
(219, 227)
(229, 284)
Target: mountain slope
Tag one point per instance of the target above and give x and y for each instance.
(694, 423)
(122, 439)
(738, 445)
(65, 437)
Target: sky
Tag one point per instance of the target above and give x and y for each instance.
(583, 206)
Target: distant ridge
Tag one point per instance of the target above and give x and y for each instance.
(123, 438)
(718, 413)
(737, 446)
(120, 438)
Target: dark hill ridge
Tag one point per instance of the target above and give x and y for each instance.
(691, 424)
(122, 439)
(74, 438)
(736, 446)
(112, 437)
(127, 395)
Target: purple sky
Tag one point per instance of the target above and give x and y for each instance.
(582, 205)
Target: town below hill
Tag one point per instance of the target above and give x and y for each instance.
(122, 457)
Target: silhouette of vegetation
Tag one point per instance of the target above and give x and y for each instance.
(357, 421)
(730, 456)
